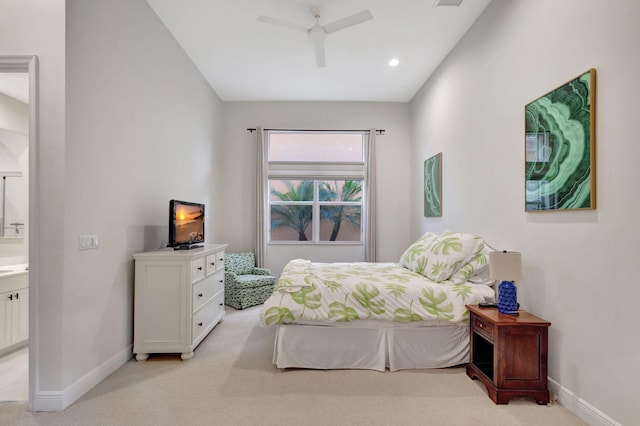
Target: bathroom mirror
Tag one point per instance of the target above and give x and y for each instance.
(14, 154)
(12, 197)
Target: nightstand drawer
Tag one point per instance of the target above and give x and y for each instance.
(482, 327)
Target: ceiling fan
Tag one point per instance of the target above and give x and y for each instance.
(318, 33)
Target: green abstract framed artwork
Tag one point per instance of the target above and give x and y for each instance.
(560, 147)
(433, 186)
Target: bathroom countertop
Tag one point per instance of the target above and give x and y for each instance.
(11, 270)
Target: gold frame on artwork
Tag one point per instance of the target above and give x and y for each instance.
(560, 157)
(433, 186)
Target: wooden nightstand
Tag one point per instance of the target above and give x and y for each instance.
(509, 354)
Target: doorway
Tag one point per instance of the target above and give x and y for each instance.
(18, 248)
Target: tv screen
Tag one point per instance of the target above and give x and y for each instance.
(186, 224)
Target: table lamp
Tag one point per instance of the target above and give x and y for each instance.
(506, 266)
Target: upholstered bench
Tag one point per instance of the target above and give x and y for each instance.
(245, 285)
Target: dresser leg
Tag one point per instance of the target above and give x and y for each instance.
(142, 357)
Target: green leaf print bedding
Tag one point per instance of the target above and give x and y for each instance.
(346, 292)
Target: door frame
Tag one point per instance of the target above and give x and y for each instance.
(29, 64)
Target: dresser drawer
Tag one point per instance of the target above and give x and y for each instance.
(203, 291)
(482, 327)
(206, 315)
(220, 260)
(211, 262)
(218, 281)
(197, 269)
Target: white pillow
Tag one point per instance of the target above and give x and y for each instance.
(479, 263)
(438, 257)
(411, 256)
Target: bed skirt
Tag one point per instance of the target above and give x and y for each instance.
(395, 348)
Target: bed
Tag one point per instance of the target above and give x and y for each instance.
(405, 315)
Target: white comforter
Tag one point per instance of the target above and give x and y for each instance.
(345, 292)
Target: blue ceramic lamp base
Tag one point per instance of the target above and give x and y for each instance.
(507, 298)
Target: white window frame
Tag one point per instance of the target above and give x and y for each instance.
(315, 171)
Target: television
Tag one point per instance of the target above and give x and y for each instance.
(186, 225)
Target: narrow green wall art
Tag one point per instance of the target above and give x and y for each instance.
(560, 147)
(433, 186)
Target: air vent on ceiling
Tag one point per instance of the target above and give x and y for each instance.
(447, 3)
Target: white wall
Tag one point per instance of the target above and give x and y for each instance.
(236, 224)
(33, 27)
(141, 128)
(14, 115)
(136, 105)
(578, 265)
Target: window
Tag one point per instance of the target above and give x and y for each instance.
(316, 187)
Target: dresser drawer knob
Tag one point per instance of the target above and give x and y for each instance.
(199, 268)
(199, 294)
(199, 324)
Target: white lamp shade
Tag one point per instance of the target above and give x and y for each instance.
(505, 265)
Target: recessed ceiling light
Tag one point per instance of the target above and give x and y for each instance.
(394, 62)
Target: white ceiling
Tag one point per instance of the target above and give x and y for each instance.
(246, 60)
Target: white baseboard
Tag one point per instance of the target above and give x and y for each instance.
(578, 406)
(59, 400)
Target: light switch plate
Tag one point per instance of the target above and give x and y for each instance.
(87, 242)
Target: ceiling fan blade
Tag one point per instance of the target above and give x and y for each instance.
(321, 61)
(317, 37)
(280, 22)
(356, 18)
(318, 49)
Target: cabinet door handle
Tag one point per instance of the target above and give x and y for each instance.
(17, 296)
(221, 281)
(222, 304)
(199, 294)
(11, 297)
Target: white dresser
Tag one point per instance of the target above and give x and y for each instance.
(179, 298)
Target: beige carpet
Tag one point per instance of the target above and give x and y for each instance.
(231, 381)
